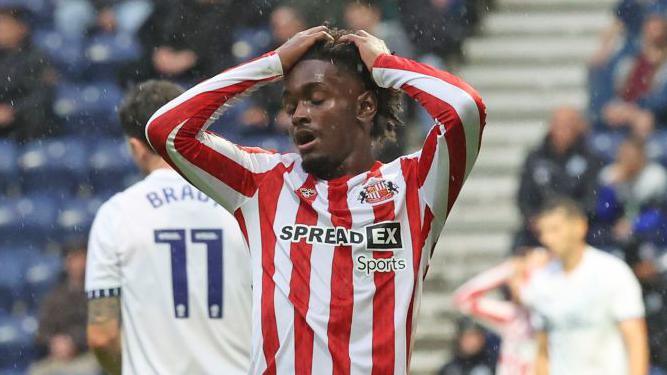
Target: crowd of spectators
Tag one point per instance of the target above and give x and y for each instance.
(611, 158)
(64, 66)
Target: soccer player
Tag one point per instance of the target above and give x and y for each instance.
(508, 318)
(168, 273)
(339, 242)
(588, 303)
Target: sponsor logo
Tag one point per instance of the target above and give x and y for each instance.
(370, 265)
(380, 236)
(307, 193)
(377, 191)
(384, 236)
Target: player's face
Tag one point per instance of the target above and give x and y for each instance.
(561, 234)
(322, 103)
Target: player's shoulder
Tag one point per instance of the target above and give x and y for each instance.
(601, 260)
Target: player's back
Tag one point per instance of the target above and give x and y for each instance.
(184, 276)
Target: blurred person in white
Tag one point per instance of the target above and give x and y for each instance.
(636, 182)
(508, 318)
(62, 320)
(180, 261)
(586, 304)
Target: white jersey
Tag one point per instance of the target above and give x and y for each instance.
(180, 266)
(580, 312)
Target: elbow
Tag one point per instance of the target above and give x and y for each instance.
(103, 340)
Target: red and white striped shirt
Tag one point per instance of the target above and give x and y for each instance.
(337, 265)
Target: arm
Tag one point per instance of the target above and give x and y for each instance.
(452, 145)
(470, 299)
(542, 360)
(104, 333)
(177, 131)
(636, 344)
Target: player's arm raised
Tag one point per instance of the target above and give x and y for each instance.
(451, 147)
(104, 333)
(221, 169)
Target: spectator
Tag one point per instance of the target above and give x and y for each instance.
(62, 321)
(508, 318)
(368, 16)
(641, 83)
(561, 165)
(634, 182)
(436, 26)
(26, 93)
(586, 303)
(187, 40)
(471, 356)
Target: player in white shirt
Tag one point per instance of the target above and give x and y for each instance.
(587, 303)
(168, 271)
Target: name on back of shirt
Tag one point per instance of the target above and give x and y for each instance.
(169, 195)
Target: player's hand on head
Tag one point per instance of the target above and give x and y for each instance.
(370, 47)
(292, 50)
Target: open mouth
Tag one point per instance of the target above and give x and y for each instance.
(304, 139)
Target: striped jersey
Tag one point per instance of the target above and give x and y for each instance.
(337, 264)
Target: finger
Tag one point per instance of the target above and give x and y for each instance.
(315, 29)
(363, 33)
(322, 35)
(351, 38)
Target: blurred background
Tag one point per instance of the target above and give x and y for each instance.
(577, 98)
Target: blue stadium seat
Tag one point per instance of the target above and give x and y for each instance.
(17, 343)
(55, 166)
(27, 220)
(250, 42)
(89, 109)
(605, 144)
(11, 277)
(106, 53)
(8, 164)
(75, 217)
(111, 167)
(41, 272)
(65, 53)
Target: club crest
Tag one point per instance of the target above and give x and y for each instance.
(377, 191)
(307, 193)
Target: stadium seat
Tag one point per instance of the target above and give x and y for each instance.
(250, 42)
(65, 53)
(605, 144)
(88, 109)
(16, 343)
(8, 165)
(106, 53)
(75, 217)
(54, 166)
(11, 277)
(41, 271)
(27, 220)
(111, 167)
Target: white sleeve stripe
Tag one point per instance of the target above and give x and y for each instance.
(103, 293)
(204, 181)
(436, 185)
(464, 104)
(257, 163)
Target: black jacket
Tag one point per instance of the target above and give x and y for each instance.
(546, 174)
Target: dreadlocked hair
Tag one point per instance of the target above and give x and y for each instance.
(346, 56)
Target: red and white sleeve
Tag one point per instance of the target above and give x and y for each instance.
(177, 131)
(452, 145)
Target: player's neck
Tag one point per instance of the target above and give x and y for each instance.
(154, 164)
(356, 163)
(573, 259)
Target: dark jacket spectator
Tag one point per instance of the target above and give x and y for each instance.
(63, 313)
(26, 92)
(187, 40)
(472, 354)
(561, 165)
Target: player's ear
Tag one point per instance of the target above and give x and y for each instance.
(367, 106)
(137, 148)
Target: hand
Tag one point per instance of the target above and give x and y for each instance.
(292, 50)
(370, 47)
(6, 115)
